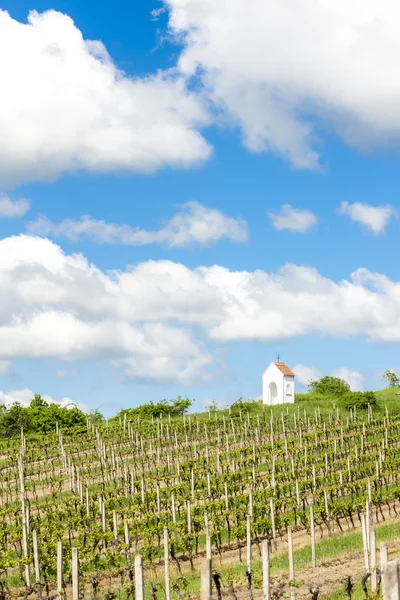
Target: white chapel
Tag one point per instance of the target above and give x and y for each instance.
(277, 384)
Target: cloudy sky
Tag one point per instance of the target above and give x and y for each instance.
(189, 187)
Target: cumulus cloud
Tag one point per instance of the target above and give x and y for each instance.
(280, 70)
(157, 319)
(374, 218)
(194, 223)
(306, 374)
(25, 396)
(66, 106)
(12, 209)
(353, 378)
(293, 219)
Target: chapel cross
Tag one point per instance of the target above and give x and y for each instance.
(278, 357)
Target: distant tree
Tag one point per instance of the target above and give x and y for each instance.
(40, 417)
(163, 408)
(212, 407)
(329, 386)
(96, 416)
(391, 378)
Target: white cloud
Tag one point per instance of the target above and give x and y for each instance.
(306, 374)
(11, 209)
(293, 219)
(157, 319)
(25, 396)
(194, 223)
(375, 218)
(353, 378)
(280, 70)
(65, 106)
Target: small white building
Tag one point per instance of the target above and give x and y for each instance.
(277, 384)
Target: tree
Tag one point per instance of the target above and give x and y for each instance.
(391, 378)
(329, 386)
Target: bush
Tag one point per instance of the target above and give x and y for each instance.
(358, 400)
(162, 408)
(329, 386)
(241, 405)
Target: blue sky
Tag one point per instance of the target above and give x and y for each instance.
(204, 295)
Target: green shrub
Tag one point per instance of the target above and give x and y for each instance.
(329, 386)
(358, 400)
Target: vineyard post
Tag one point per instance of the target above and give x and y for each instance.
(391, 581)
(173, 508)
(139, 580)
(25, 546)
(75, 574)
(291, 565)
(189, 518)
(312, 528)
(383, 555)
(248, 531)
(36, 560)
(266, 570)
(226, 496)
(87, 502)
(372, 547)
(208, 537)
(206, 580)
(166, 564)
(103, 515)
(158, 500)
(272, 510)
(59, 570)
(365, 542)
(127, 541)
(115, 527)
(328, 522)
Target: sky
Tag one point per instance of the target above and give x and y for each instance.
(189, 188)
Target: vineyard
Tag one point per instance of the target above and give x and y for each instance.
(82, 512)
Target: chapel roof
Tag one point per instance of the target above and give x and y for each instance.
(284, 369)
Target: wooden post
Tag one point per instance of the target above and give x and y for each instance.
(173, 507)
(127, 540)
(189, 518)
(59, 571)
(139, 579)
(291, 564)
(266, 570)
(87, 502)
(75, 574)
(383, 555)
(115, 526)
(272, 510)
(312, 529)
(36, 557)
(206, 580)
(248, 531)
(390, 581)
(372, 550)
(166, 565)
(365, 543)
(25, 541)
